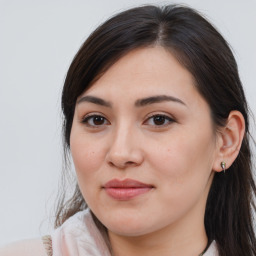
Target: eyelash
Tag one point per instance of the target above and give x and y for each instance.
(90, 117)
(167, 120)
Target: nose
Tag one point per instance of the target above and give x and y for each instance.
(125, 149)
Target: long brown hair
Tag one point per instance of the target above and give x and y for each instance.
(204, 52)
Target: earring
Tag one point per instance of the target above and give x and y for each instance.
(223, 166)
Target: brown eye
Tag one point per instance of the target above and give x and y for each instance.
(159, 120)
(95, 121)
(98, 120)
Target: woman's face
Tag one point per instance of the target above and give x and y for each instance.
(143, 145)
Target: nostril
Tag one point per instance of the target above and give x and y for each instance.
(111, 163)
(122, 165)
(129, 163)
(123, 158)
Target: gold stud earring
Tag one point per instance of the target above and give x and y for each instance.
(223, 166)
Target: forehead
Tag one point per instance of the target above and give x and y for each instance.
(145, 72)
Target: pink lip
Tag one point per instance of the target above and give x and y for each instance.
(126, 189)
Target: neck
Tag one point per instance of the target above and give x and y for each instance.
(183, 239)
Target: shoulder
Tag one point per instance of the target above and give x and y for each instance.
(32, 247)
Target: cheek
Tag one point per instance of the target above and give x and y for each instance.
(86, 155)
(184, 158)
(87, 158)
(84, 158)
(182, 171)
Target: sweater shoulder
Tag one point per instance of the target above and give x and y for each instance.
(30, 247)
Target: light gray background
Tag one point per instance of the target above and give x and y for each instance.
(38, 40)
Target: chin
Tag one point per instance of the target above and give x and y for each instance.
(128, 226)
(128, 231)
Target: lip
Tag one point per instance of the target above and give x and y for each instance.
(126, 189)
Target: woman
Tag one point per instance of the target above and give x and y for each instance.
(156, 121)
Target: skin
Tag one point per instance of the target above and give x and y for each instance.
(176, 156)
(177, 152)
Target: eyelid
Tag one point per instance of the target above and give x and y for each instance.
(168, 117)
(85, 118)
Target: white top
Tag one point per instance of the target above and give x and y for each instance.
(79, 236)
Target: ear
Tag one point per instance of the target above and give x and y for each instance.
(229, 140)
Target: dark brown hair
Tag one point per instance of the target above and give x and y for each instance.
(201, 49)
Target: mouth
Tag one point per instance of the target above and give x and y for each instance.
(126, 189)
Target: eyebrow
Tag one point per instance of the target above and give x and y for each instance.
(95, 100)
(157, 99)
(138, 103)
